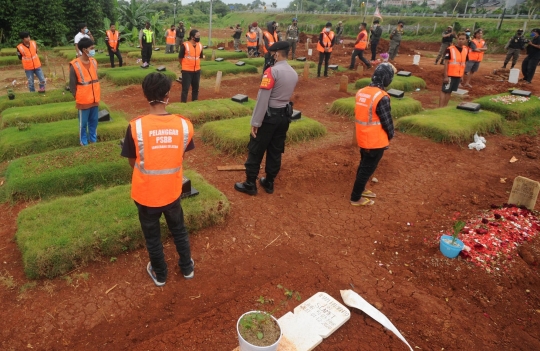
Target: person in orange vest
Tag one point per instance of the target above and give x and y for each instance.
(251, 38)
(455, 60)
(476, 53)
(360, 46)
(269, 38)
(27, 52)
(324, 47)
(155, 145)
(191, 53)
(112, 40)
(374, 130)
(84, 85)
(170, 40)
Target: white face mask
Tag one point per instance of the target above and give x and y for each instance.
(328, 29)
(375, 25)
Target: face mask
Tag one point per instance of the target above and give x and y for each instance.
(161, 102)
(375, 25)
(328, 29)
(197, 39)
(253, 31)
(85, 30)
(91, 53)
(468, 33)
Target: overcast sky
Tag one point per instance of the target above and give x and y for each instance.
(280, 3)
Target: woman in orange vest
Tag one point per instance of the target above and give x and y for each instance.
(27, 53)
(251, 38)
(324, 47)
(170, 40)
(374, 130)
(191, 53)
(155, 145)
(359, 46)
(112, 40)
(84, 85)
(455, 60)
(476, 54)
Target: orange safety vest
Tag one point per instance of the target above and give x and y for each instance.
(88, 89)
(369, 132)
(362, 44)
(327, 41)
(456, 63)
(160, 143)
(192, 62)
(477, 55)
(30, 59)
(272, 38)
(171, 37)
(113, 39)
(252, 36)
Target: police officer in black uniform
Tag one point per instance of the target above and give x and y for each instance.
(270, 121)
(514, 47)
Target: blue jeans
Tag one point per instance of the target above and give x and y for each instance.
(88, 119)
(30, 75)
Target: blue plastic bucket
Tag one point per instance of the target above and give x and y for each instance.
(448, 249)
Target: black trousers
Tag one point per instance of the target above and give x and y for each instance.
(118, 54)
(146, 53)
(270, 139)
(369, 159)
(374, 44)
(528, 67)
(174, 217)
(360, 54)
(190, 79)
(326, 57)
(267, 59)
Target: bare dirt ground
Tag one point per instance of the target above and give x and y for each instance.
(305, 237)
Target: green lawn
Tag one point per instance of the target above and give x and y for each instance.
(203, 111)
(40, 114)
(28, 98)
(55, 237)
(132, 75)
(259, 62)
(226, 55)
(101, 58)
(71, 171)
(400, 107)
(226, 68)
(8, 52)
(512, 111)
(232, 136)
(449, 124)
(400, 83)
(10, 61)
(55, 135)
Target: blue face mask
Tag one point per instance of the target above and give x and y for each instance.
(468, 33)
(91, 53)
(532, 35)
(85, 30)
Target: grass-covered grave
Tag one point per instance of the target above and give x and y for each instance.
(400, 83)
(400, 107)
(203, 111)
(511, 107)
(35, 98)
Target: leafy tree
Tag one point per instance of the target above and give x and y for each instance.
(31, 19)
(274, 5)
(166, 8)
(134, 14)
(110, 9)
(7, 11)
(76, 11)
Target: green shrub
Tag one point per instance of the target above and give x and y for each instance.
(400, 107)
(135, 75)
(28, 98)
(226, 68)
(41, 114)
(55, 135)
(232, 136)
(56, 236)
(71, 171)
(513, 111)
(400, 83)
(449, 124)
(209, 110)
(10, 61)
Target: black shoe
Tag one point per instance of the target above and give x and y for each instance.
(442, 63)
(268, 186)
(436, 62)
(246, 187)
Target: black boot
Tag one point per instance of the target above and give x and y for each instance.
(267, 185)
(504, 65)
(246, 187)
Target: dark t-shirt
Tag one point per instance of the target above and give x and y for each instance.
(532, 52)
(180, 32)
(448, 39)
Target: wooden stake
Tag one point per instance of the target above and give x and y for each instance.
(343, 82)
(218, 81)
(307, 43)
(306, 70)
(360, 68)
(213, 55)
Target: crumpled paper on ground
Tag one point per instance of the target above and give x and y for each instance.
(479, 143)
(352, 299)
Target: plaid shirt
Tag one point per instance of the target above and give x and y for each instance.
(383, 110)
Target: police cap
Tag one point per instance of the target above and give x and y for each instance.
(279, 45)
(520, 31)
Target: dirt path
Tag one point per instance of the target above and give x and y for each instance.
(387, 252)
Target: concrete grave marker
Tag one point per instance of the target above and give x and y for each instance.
(524, 192)
(461, 92)
(313, 320)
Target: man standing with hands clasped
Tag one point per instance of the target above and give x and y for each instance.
(27, 53)
(324, 47)
(191, 53)
(292, 36)
(112, 40)
(376, 33)
(147, 41)
(455, 60)
(270, 121)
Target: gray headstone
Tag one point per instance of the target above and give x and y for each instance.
(524, 192)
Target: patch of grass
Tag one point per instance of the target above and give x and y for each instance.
(226, 55)
(259, 62)
(7, 280)
(27, 286)
(529, 125)
(226, 68)
(101, 58)
(450, 124)
(133, 76)
(40, 114)
(157, 56)
(71, 171)
(203, 111)
(10, 61)
(29, 99)
(400, 83)
(8, 52)
(400, 107)
(232, 136)
(514, 111)
(55, 135)
(56, 236)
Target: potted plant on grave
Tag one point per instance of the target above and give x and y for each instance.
(450, 245)
(11, 94)
(258, 331)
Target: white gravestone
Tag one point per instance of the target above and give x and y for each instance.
(524, 192)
